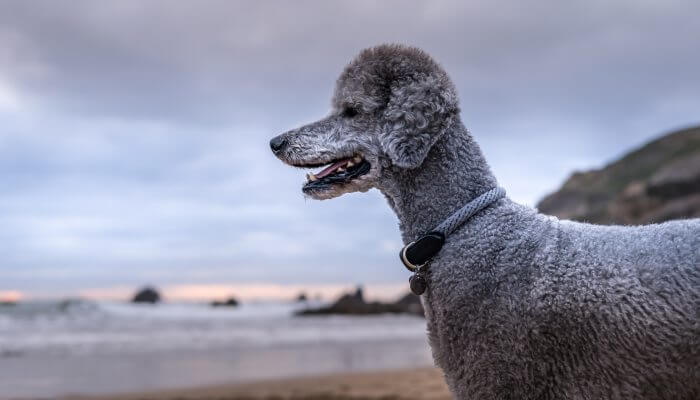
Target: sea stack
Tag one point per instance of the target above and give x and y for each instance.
(147, 295)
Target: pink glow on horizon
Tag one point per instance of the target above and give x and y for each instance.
(249, 291)
(11, 296)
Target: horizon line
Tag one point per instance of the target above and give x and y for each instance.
(217, 291)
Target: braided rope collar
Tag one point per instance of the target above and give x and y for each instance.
(416, 255)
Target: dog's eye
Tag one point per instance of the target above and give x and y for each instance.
(349, 112)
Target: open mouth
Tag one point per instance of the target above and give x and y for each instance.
(337, 173)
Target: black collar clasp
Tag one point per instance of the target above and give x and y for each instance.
(417, 253)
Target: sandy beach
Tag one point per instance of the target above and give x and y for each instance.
(414, 384)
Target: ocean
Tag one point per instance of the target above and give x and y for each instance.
(52, 349)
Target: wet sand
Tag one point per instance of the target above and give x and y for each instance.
(406, 384)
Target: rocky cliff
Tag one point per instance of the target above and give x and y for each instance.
(658, 182)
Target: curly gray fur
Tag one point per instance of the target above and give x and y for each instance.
(520, 305)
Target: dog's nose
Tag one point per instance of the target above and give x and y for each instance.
(277, 143)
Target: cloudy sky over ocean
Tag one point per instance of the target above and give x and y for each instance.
(133, 135)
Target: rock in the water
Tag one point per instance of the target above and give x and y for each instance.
(351, 303)
(230, 302)
(302, 297)
(354, 304)
(147, 295)
(656, 183)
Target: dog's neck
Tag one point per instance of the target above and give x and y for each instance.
(454, 173)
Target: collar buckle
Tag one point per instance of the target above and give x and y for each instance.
(417, 253)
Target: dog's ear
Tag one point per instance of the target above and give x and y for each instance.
(419, 111)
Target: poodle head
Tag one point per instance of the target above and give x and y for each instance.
(391, 104)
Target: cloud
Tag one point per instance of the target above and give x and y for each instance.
(9, 99)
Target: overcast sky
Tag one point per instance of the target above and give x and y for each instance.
(133, 135)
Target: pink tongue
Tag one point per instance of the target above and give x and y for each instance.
(328, 170)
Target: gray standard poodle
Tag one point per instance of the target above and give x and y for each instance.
(519, 305)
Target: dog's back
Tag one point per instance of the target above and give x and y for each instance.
(558, 309)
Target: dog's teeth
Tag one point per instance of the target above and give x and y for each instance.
(311, 177)
(350, 164)
(357, 159)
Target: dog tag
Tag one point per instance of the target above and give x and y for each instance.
(417, 283)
